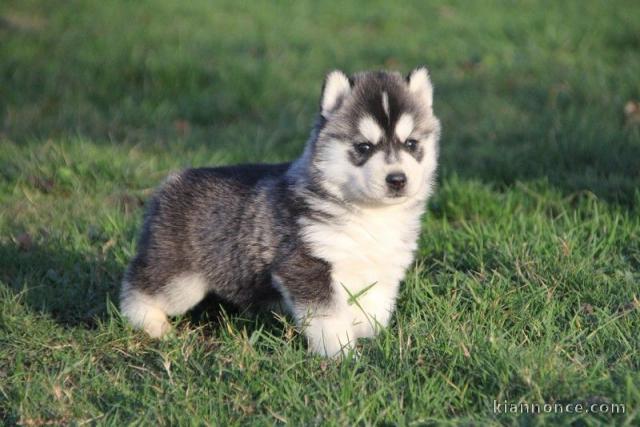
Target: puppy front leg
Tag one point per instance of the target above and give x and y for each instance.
(330, 332)
(307, 289)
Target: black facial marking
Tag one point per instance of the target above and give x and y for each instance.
(374, 105)
(417, 152)
(358, 158)
(368, 101)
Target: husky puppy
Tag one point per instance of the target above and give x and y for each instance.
(329, 235)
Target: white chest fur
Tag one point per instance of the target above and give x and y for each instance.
(369, 252)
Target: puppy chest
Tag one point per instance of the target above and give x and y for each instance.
(361, 256)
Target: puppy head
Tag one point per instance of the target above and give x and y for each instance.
(377, 143)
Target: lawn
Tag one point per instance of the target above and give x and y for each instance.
(526, 286)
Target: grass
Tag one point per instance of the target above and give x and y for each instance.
(526, 284)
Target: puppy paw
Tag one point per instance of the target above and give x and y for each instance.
(158, 328)
(330, 337)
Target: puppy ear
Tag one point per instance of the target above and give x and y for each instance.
(420, 84)
(336, 87)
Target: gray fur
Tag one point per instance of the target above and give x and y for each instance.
(236, 225)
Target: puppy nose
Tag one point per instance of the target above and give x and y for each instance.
(397, 180)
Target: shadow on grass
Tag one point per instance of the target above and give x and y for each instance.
(74, 288)
(503, 132)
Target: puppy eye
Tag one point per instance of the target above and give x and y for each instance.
(363, 147)
(411, 144)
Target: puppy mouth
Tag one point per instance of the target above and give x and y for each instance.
(394, 199)
(397, 194)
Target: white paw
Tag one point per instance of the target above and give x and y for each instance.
(157, 327)
(142, 313)
(330, 336)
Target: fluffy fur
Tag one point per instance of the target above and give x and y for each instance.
(328, 236)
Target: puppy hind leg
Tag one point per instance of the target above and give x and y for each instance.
(183, 292)
(149, 312)
(143, 311)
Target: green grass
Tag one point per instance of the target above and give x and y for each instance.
(526, 287)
